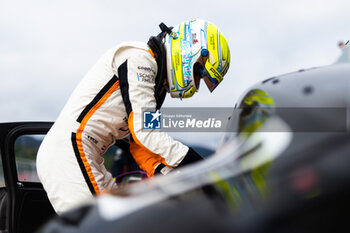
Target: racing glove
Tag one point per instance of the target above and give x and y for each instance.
(191, 157)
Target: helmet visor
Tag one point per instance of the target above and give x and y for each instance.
(211, 83)
(212, 77)
(204, 69)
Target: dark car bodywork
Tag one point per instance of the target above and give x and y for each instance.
(283, 167)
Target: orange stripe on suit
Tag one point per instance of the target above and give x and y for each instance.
(81, 129)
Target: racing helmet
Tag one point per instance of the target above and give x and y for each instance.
(195, 47)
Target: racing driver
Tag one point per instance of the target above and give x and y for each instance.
(108, 105)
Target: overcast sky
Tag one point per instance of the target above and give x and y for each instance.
(46, 47)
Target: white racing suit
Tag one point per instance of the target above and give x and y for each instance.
(105, 106)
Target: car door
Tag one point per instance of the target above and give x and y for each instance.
(24, 205)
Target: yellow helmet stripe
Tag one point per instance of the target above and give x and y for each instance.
(258, 96)
(212, 39)
(177, 59)
(225, 53)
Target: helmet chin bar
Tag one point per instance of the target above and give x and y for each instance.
(184, 93)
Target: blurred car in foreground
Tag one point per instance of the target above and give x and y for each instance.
(283, 166)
